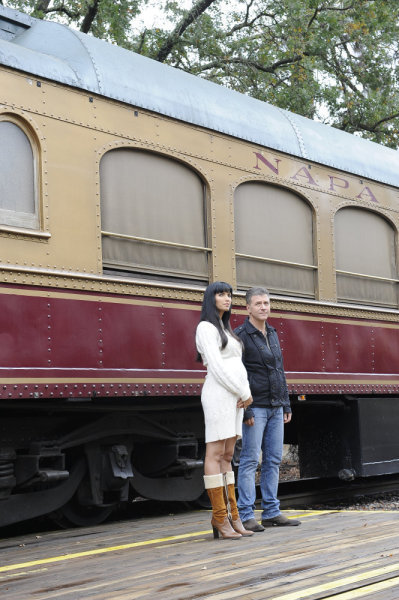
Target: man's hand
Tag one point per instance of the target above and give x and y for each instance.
(287, 417)
(250, 422)
(244, 403)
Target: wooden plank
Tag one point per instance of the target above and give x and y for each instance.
(175, 558)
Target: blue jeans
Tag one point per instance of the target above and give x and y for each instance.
(267, 435)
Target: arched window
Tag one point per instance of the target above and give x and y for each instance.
(18, 190)
(274, 240)
(365, 258)
(153, 217)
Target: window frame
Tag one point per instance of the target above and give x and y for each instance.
(309, 267)
(365, 276)
(154, 272)
(19, 221)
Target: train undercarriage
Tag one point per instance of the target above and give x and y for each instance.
(77, 462)
(348, 436)
(63, 461)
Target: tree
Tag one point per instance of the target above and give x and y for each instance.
(332, 60)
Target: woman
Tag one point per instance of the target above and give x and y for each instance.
(224, 396)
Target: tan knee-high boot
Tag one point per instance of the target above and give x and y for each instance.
(220, 522)
(231, 504)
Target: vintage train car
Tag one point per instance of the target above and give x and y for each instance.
(125, 187)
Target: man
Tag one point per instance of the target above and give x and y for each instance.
(263, 427)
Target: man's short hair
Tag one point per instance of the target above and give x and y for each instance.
(256, 291)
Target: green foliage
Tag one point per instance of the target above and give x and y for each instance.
(333, 60)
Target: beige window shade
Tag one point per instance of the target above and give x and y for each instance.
(274, 240)
(18, 203)
(161, 202)
(365, 258)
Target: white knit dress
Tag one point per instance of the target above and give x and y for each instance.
(226, 381)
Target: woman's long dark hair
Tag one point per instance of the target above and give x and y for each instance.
(210, 313)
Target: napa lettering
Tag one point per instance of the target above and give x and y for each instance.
(304, 176)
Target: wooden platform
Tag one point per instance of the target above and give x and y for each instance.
(332, 555)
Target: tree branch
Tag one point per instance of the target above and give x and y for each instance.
(181, 27)
(42, 6)
(59, 9)
(141, 41)
(90, 16)
(337, 70)
(375, 127)
(316, 12)
(246, 22)
(251, 63)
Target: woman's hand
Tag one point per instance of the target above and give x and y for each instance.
(244, 403)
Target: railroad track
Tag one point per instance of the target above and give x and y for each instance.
(303, 493)
(295, 494)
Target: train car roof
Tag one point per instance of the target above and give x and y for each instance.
(56, 52)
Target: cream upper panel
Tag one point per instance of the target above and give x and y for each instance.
(75, 130)
(125, 122)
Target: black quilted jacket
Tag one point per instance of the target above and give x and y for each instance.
(264, 367)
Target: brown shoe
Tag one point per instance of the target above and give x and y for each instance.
(253, 525)
(280, 521)
(214, 485)
(231, 504)
(238, 526)
(225, 529)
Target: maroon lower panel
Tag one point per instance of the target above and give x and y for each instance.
(66, 344)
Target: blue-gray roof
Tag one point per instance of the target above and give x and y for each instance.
(56, 52)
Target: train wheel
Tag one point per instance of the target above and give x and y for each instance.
(75, 514)
(203, 501)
